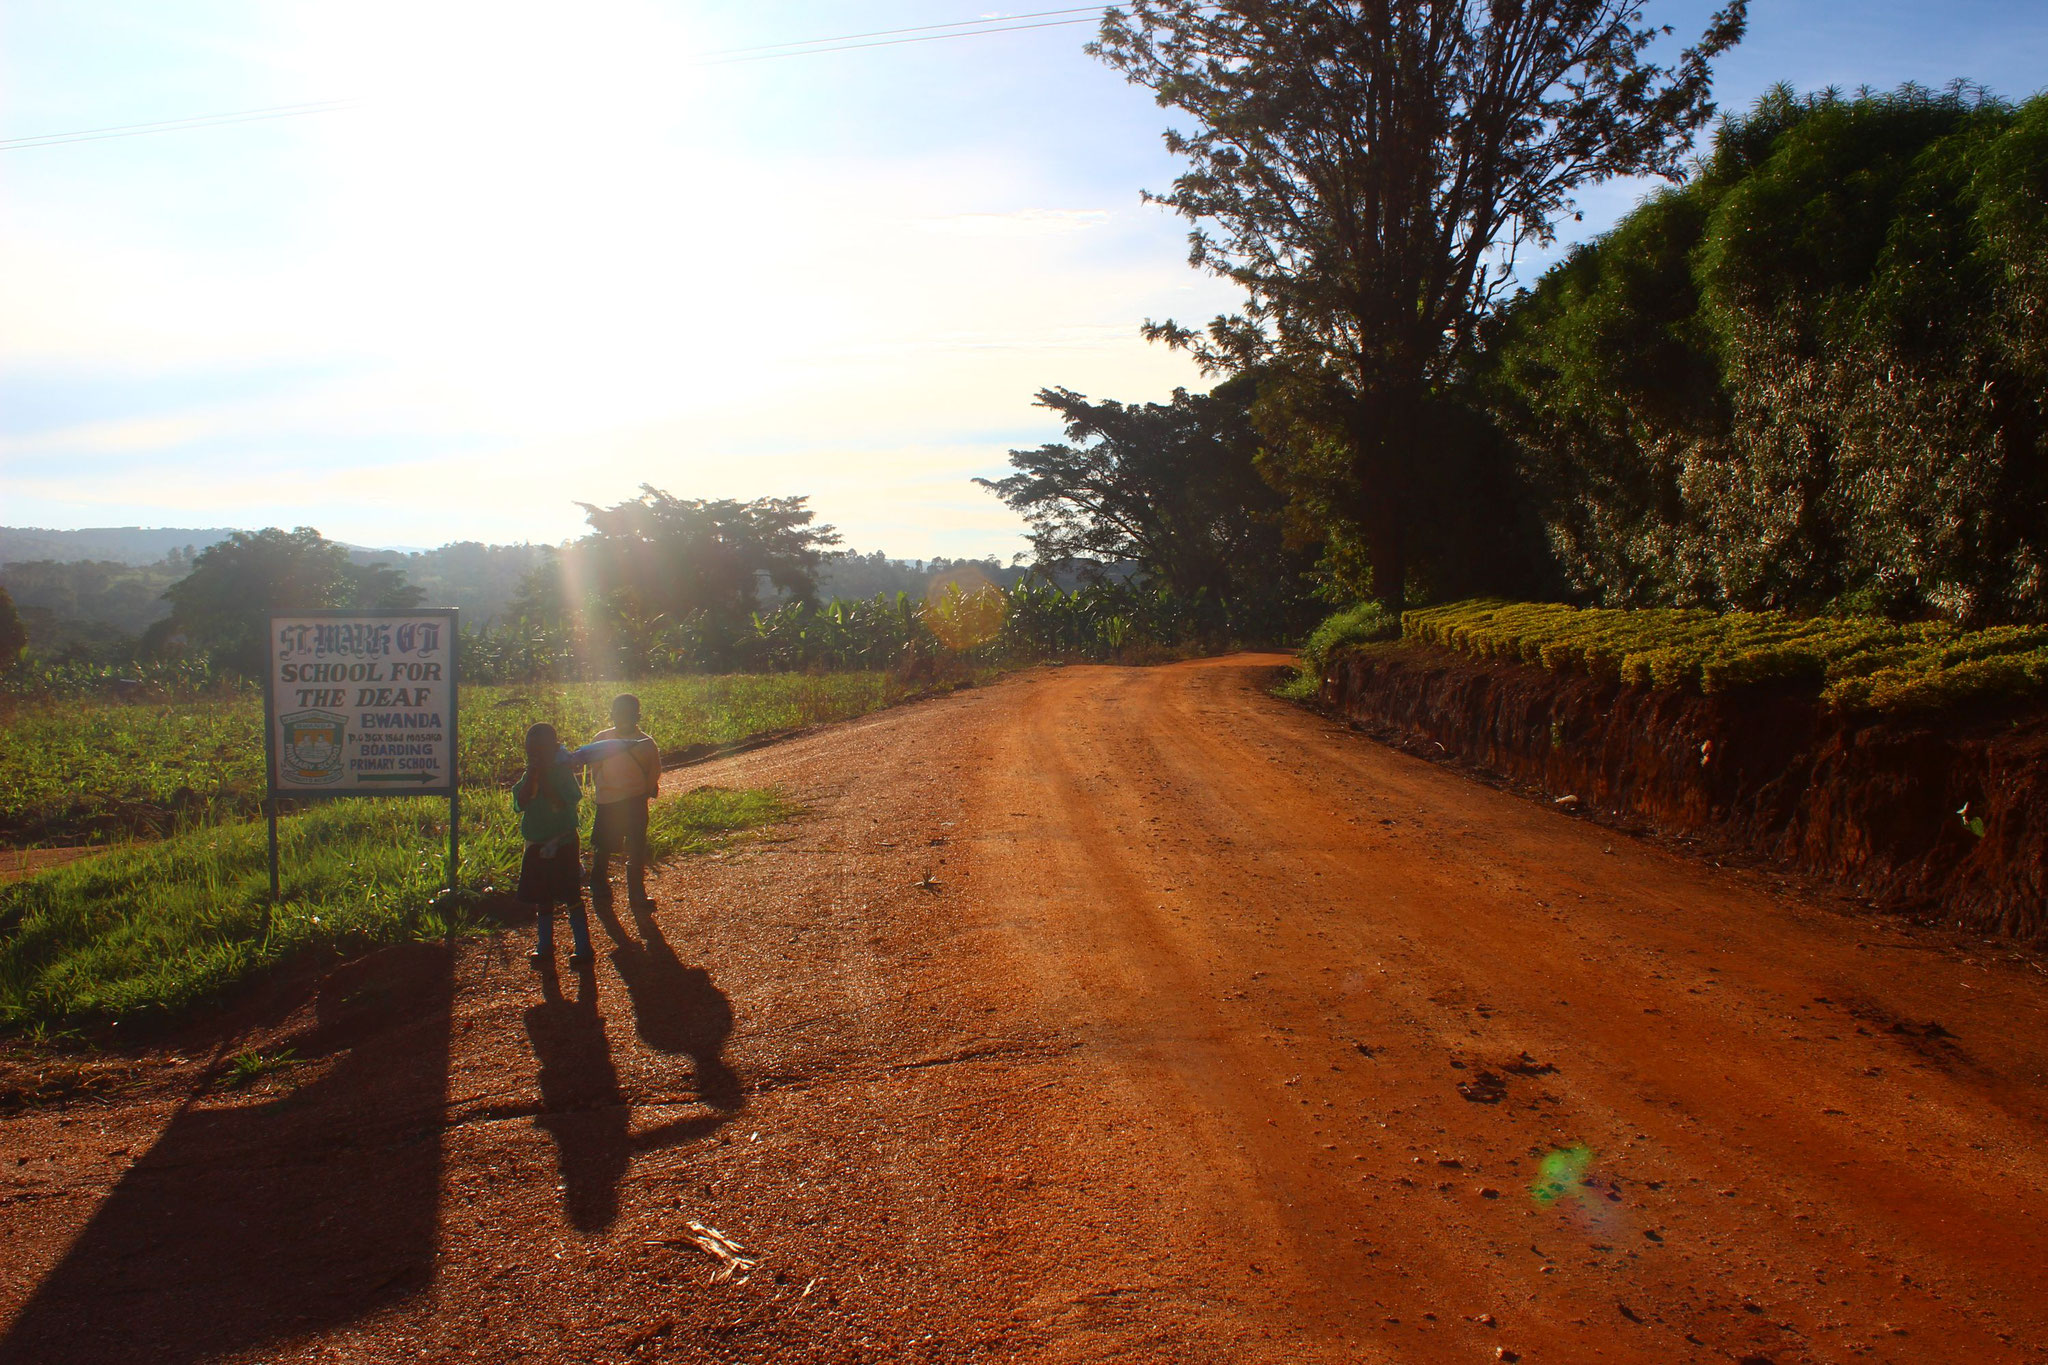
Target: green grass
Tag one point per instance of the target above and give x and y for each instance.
(1364, 623)
(159, 927)
(249, 1066)
(101, 769)
(1850, 663)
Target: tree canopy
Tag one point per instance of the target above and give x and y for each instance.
(1812, 378)
(695, 569)
(1365, 171)
(1172, 488)
(234, 584)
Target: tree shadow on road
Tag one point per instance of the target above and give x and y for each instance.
(677, 1009)
(255, 1219)
(582, 1106)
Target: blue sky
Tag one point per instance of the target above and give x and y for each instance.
(551, 254)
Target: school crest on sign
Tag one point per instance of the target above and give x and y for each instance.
(312, 749)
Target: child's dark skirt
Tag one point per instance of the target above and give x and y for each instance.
(555, 879)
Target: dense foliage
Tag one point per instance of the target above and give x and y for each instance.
(1357, 170)
(222, 605)
(662, 576)
(89, 609)
(480, 581)
(1815, 377)
(1851, 663)
(1363, 623)
(962, 619)
(13, 637)
(1171, 489)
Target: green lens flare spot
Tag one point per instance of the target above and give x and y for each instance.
(1560, 1172)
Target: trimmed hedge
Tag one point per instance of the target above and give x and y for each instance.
(1852, 663)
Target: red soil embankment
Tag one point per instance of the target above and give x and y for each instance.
(1883, 806)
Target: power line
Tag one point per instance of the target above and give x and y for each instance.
(178, 124)
(969, 24)
(889, 42)
(850, 42)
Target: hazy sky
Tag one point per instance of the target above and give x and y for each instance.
(553, 253)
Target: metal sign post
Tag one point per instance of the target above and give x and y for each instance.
(362, 703)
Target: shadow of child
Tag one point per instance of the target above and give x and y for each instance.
(582, 1107)
(677, 1009)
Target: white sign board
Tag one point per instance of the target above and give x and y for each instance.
(362, 703)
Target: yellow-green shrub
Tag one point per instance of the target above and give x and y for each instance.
(1852, 663)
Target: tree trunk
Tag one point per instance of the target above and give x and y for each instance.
(1385, 431)
(1390, 568)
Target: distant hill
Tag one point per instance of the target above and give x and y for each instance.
(854, 574)
(479, 579)
(134, 545)
(93, 592)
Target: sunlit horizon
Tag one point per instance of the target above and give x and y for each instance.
(550, 256)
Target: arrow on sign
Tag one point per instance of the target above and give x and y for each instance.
(394, 777)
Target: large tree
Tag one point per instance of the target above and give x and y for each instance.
(1170, 487)
(658, 564)
(1365, 171)
(235, 583)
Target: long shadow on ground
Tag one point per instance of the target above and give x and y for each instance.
(255, 1220)
(582, 1106)
(677, 1009)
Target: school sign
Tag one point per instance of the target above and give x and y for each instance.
(361, 703)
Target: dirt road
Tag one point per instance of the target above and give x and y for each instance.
(1101, 1014)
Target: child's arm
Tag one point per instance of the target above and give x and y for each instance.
(649, 755)
(598, 750)
(525, 789)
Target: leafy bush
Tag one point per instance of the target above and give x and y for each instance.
(1366, 623)
(1851, 663)
(1814, 379)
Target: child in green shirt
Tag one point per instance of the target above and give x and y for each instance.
(546, 797)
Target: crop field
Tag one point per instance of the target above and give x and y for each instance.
(174, 911)
(1852, 663)
(95, 770)
(154, 927)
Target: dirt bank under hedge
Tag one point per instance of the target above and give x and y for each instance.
(1884, 807)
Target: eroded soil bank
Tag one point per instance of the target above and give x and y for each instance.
(1935, 815)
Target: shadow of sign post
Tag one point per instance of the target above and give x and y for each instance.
(252, 1220)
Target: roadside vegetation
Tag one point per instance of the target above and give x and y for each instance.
(1363, 623)
(94, 769)
(156, 928)
(1849, 663)
(1813, 379)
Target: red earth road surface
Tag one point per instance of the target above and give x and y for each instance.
(1101, 1014)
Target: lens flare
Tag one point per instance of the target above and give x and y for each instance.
(964, 610)
(1560, 1173)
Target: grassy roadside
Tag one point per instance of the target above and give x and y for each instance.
(88, 770)
(156, 928)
